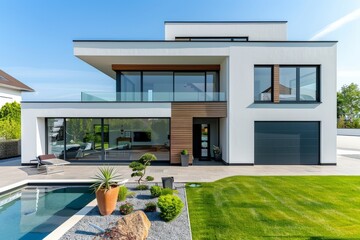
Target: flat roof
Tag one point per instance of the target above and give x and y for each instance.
(165, 22)
(295, 41)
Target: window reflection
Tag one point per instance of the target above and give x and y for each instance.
(83, 139)
(131, 86)
(263, 83)
(308, 76)
(55, 136)
(190, 86)
(287, 85)
(157, 86)
(118, 139)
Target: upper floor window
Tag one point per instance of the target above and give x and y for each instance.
(212, 39)
(168, 86)
(299, 83)
(263, 83)
(276, 83)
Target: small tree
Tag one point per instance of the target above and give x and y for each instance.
(139, 167)
(348, 102)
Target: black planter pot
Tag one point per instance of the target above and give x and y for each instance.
(218, 157)
(184, 160)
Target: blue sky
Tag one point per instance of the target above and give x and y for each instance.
(36, 36)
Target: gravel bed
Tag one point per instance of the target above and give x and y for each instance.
(174, 230)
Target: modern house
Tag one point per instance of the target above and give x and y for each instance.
(11, 89)
(238, 85)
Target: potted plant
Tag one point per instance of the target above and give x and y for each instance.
(184, 158)
(106, 189)
(217, 153)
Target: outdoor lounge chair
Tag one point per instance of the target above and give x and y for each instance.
(49, 162)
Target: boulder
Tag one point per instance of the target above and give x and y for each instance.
(134, 226)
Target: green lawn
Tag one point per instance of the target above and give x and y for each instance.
(276, 208)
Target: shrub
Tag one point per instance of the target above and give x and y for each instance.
(150, 207)
(184, 152)
(126, 208)
(170, 207)
(167, 191)
(123, 191)
(155, 191)
(142, 187)
(139, 167)
(149, 178)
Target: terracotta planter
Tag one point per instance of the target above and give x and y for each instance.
(107, 200)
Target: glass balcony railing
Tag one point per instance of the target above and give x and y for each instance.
(152, 96)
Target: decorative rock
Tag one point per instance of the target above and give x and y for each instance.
(134, 226)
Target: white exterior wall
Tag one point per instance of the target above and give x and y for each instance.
(243, 112)
(255, 31)
(33, 119)
(9, 95)
(237, 62)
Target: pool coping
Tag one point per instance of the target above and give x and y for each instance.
(12, 187)
(68, 224)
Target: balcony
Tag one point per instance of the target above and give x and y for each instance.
(151, 96)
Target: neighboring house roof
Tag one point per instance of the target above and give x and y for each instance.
(283, 89)
(8, 81)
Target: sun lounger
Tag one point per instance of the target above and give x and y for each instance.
(50, 163)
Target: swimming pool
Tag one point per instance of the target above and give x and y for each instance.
(34, 211)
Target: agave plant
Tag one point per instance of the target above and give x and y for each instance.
(105, 179)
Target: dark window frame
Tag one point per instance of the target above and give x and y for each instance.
(272, 83)
(102, 136)
(297, 67)
(118, 81)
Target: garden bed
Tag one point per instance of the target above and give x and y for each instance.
(179, 228)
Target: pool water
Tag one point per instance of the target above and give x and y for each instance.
(34, 212)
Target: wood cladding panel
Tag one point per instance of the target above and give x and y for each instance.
(182, 115)
(165, 67)
(276, 84)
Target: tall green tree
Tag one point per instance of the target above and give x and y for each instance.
(10, 121)
(348, 102)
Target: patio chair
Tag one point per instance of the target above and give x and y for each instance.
(50, 161)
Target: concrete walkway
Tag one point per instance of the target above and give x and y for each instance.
(348, 164)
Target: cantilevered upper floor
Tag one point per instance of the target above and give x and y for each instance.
(201, 61)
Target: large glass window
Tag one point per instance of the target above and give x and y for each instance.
(308, 83)
(263, 83)
(83, 139)
(130, 138)
(157, 86)
(189, 86)
(118, 139)
(55, 136)
(287, 86)
(168, 86)
(130, 86)
(212, 86)
(299, 83)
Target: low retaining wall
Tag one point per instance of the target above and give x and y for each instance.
(10, 148)
(348, 131)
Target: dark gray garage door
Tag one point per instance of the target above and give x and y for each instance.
(287, 143)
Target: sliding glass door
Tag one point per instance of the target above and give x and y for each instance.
(110, 139)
